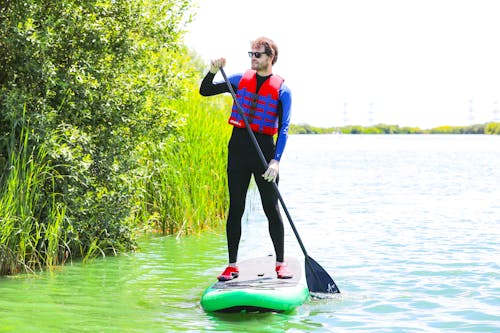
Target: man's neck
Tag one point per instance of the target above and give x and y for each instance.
(265, 73)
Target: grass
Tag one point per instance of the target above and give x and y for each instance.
(188, 192)
(30, 218)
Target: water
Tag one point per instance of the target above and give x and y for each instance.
(408, 227)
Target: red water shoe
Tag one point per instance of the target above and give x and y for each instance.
(283, 272)
(229, 274)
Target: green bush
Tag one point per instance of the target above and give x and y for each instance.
(84, 86)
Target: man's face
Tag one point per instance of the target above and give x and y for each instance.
(263, 62)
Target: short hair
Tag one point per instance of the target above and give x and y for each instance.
(269, 45)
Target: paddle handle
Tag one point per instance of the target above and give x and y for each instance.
(263, 160)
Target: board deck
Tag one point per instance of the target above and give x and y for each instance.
(258, 289)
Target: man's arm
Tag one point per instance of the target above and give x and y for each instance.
(209, 88)
(286, 108)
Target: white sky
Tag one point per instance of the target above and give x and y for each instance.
(421, 63)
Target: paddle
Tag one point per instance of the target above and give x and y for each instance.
(318, 280)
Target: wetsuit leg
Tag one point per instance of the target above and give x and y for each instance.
(270, 205)
(238, 177)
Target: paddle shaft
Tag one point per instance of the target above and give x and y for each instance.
(263, 160)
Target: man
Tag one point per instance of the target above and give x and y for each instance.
(266, 102)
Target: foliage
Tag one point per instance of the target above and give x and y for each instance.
(89, 91)
(30, 217)
(190, 194)
(492, 128)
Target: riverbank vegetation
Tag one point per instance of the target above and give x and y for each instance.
(488, 128)
(102, 132)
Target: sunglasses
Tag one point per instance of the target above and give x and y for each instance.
(256, 54)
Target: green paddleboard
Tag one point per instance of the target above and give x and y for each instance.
(258, 289)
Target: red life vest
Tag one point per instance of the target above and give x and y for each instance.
(261, 110)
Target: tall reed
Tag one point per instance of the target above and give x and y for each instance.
(30, 218)
(185, 175)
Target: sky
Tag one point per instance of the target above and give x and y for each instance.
(419, 63)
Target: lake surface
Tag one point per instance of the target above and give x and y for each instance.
(407, 225)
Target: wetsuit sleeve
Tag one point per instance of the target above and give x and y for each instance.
(210, 88)
(285, 98)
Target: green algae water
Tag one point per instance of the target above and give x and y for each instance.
(408, 227)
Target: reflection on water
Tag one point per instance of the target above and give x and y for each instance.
(408, 227)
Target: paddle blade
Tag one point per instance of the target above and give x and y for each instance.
(318, 280)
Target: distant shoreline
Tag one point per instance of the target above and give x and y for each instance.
(487, 128)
